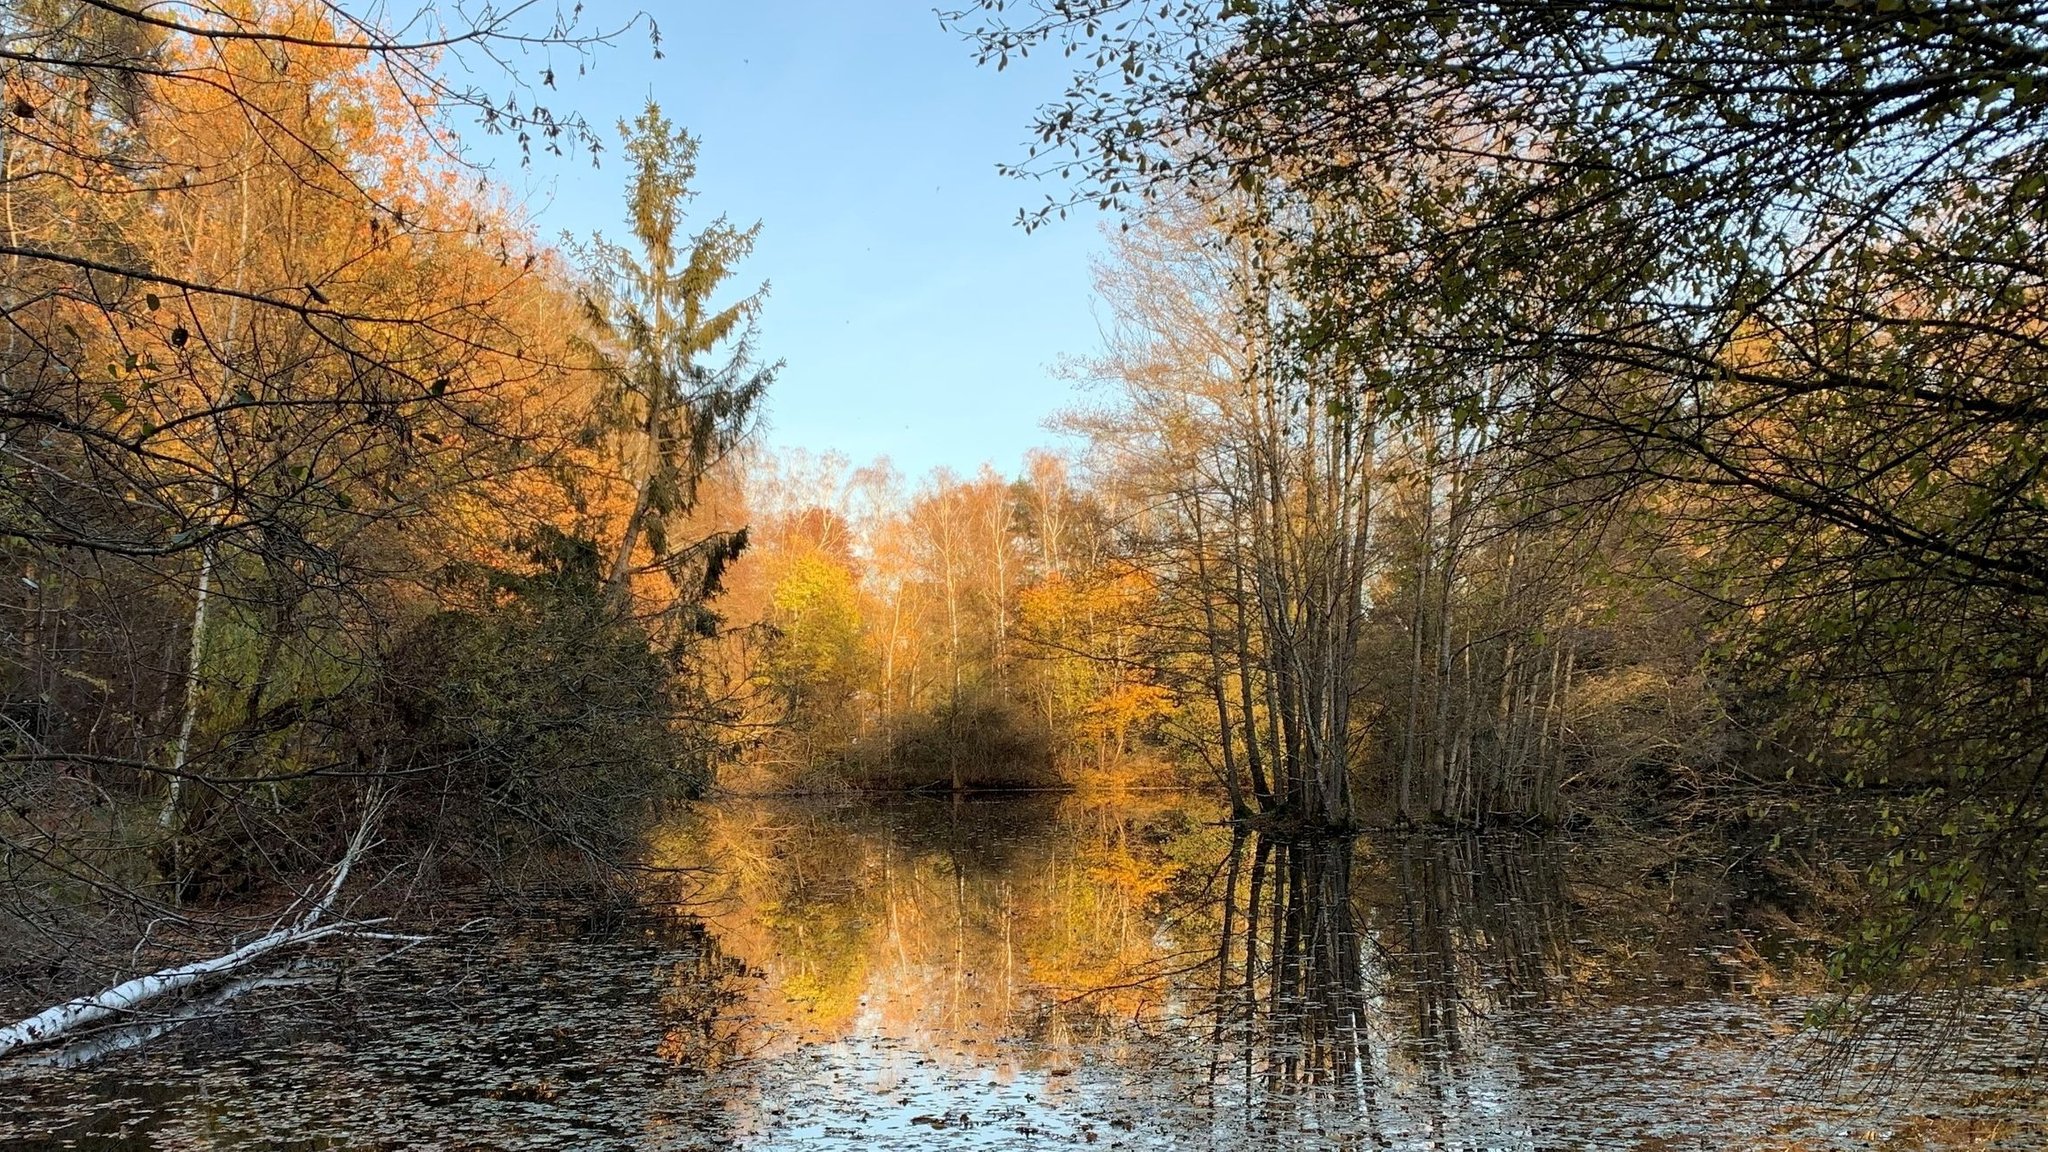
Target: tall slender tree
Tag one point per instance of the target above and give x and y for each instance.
(656, 325)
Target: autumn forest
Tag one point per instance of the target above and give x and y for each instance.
(1614, 429)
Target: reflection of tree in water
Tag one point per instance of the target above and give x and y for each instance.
(1442, 989)
(1291, 1009)
(944, 920)
(1341, 971)
(1473, 924)
(955, 918)
(704, 1026)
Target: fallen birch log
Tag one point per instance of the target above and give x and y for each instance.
(64, 1019)
(83, 1050)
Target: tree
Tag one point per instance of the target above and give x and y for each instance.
(126, 131)
(289, 409)
(1262, 472)
(1779, 266)
(655, 320)
(816, 660)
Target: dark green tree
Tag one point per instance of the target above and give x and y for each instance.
(655, 324)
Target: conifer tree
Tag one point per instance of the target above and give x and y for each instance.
(656, 323)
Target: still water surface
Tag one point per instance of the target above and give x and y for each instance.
(1055, 972)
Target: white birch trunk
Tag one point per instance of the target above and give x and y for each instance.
(169, 816)
(64, 1019)
(193, 666)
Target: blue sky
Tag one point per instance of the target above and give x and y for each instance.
(916, 319)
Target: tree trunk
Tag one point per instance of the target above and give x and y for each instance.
(63, 1020)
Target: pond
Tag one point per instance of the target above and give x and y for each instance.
(1033, 972)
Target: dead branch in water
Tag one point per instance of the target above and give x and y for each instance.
(66, 1019)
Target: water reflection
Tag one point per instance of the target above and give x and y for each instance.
(1039, 972)
(956, 921)
(1139, 971)
(1291, 1004)
(1346, 974)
